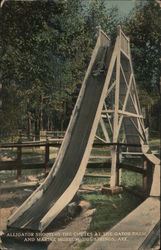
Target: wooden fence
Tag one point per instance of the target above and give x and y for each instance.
(19, 164)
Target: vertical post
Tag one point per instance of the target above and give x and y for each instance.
(0, 96)
(150, 172)
(117, 166)
(47, 150)
(145, 177)
(114, 172)
(19, 157)
(113, 166)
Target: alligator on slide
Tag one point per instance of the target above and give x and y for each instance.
(63, 180)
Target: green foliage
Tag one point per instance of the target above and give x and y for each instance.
(25, 68)
(117, 206)
(144, 30)
(46, 47)
(143, 27)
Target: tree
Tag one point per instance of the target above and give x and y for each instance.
(143, 27)
(25, 29)
(45, 51)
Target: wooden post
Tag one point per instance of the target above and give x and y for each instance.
(47, 151)
(118, 173)
(115, 166)
(114, 179)
(145, 177)
(150, 171)
(18, 160)
(0, 96)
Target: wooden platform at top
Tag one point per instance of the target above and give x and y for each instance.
(135, 230)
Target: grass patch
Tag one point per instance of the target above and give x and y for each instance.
(98, 171)
(102, 181)
(103, 151)
(97, 180)
(154, 144)
(110, 209)
(138, 162)
(132, 179)
(26, 172)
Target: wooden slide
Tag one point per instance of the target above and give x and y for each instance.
(64, 179)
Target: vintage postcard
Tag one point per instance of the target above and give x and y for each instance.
(80, 113)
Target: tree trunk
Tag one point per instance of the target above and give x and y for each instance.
(37, 130)
(28, 126)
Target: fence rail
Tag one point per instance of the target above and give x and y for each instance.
(18, 163)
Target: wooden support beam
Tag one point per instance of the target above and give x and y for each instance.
(111, 88)
(99, 138)
(145, 177)
(18, 161)
(107, 115)
(141, 136)
(122, 112)
(47, 154)
(97, 175)
(13, 166)
(114, 171)
(124, 53)
(127, 87)
(114, 179)
(104, 130)
(108, 111)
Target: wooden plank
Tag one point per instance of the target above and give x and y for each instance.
(99, 138)
(111, 88)
(13, 165)
(97, 175)
(137, 129)
(132, 232)
(127, 86)
(17, 185)
(113, 181)
(107, 111)
(108, 117)
(151, 238)
(31, 144)
(67, 191)
(38, 144)
(122, 112)
(155, 188)
(132, 153)
(100, 157)
(153, 159)
(124, 53)
(104, 130)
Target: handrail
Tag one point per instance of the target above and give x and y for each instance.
(57, 141)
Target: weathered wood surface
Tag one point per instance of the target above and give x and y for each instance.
(97, 175)
(133, 230)
(65, 177)
(18, 185)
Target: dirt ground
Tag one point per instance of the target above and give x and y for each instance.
(11, 199)
(9, 202)
(68, 228)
